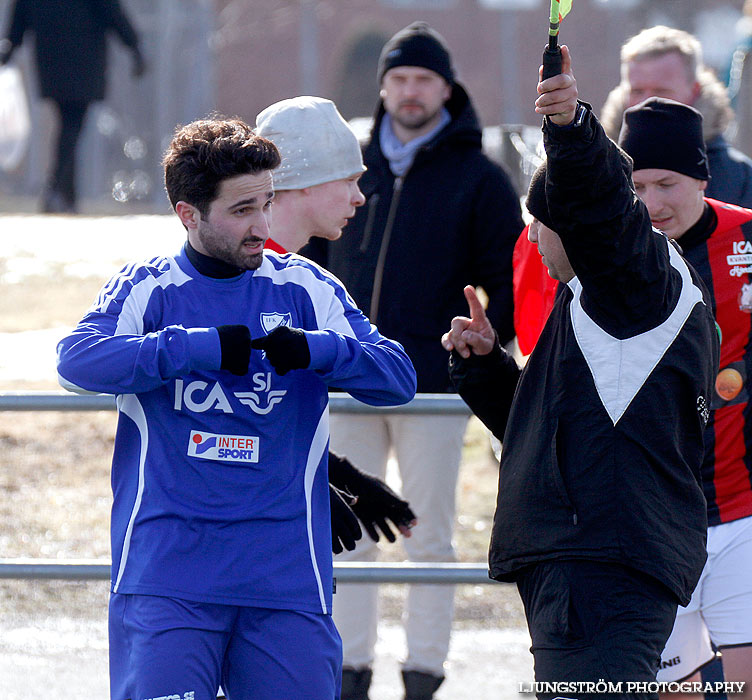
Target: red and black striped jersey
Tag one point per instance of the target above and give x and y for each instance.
(720, 248)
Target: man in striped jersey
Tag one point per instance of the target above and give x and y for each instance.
(221, 357)
(670, 175)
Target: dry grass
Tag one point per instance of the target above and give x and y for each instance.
(54, 476)
(34, 304)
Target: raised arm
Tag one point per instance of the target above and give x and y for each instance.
(605, 229)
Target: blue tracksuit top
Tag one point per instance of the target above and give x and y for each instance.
(220, 481)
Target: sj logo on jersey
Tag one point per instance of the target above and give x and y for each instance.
(223, 448)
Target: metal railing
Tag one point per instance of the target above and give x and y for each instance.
(350, 572)
(345, 572)
(438, 404)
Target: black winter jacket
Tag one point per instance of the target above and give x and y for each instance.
(730, 173)
(456, 218)
(604, 440)
(70, 41)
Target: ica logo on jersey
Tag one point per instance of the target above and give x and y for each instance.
(740, 261)
(200, 396)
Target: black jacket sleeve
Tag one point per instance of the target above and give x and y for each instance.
(486, 384)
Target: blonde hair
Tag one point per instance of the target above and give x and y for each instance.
(661, 40)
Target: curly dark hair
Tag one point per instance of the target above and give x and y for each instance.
(204, 153)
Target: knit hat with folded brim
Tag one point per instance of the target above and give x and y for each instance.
(316, 144)
(417, 45)
(665, 135)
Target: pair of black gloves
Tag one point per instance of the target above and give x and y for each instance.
(286, 348)
(354, 496)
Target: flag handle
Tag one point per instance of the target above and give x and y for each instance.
(551, 59)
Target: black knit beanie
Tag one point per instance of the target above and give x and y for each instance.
(417, 45)
(536, 201)
(666, 135)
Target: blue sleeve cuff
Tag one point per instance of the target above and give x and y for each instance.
(204, 348)
(323, 348)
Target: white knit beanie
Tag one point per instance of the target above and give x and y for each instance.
(317, 145)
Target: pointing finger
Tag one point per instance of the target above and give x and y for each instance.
(477, 312)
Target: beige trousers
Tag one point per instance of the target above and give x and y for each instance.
(428, 450)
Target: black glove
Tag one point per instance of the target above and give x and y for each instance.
(345, 528)
(375, 502)
(235, 344)
(286, 348)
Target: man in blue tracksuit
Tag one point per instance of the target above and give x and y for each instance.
(221, 358)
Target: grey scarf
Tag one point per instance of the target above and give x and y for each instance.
(400, 155)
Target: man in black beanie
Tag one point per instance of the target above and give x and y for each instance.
(600, 517)
(664, 138)
(438, 214)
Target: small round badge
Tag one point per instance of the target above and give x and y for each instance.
(729, 383)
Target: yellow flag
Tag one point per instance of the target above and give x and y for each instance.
(559, 10)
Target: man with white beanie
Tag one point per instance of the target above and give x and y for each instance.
(316, 193)
(316, 186)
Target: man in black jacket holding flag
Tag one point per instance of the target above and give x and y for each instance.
(600, 516)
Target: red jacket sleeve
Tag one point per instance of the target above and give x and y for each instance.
(534, 293)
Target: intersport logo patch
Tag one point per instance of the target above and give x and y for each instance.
(241, 449)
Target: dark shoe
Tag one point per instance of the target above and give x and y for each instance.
(355, 683)
(419, 685)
